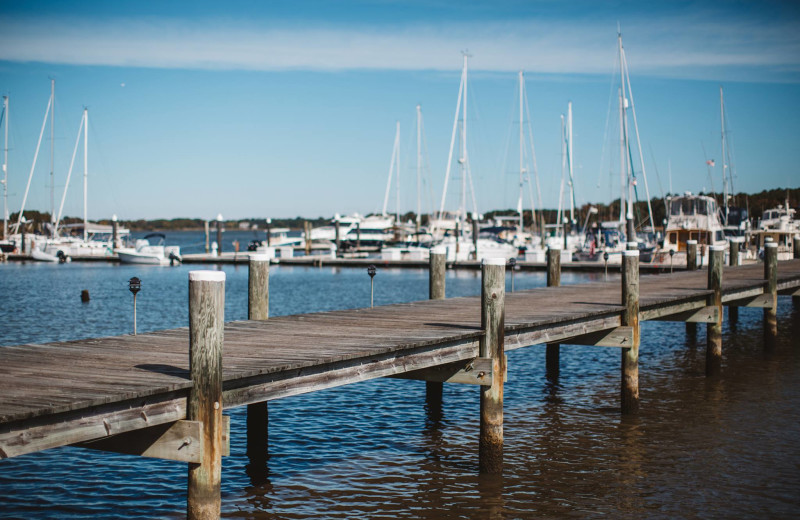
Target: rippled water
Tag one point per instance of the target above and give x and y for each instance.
(724, 448)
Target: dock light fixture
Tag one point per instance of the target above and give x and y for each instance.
(671, 255)
(135, 285)
(512, 263)
(605, 261)
(371, 270)
(269, 231)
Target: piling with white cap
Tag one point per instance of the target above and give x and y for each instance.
(630, 317)
(716, 259)
(771, 276)
(258, 413)
(552, 355)
(206, 323)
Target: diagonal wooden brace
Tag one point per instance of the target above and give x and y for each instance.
(708, 314)
(621, 337)
(477, 371)
(762, 300)
(180, 441)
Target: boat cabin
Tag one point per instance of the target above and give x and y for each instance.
(692, 217)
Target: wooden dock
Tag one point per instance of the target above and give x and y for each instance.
(135, 394)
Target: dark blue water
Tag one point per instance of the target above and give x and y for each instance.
(724, 448)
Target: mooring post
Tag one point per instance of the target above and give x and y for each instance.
(553, 280)
(258, 309)
(493, 293)
(796, 256)
(733, 261)
(206, 226)
(691, 255)
(206, 322)
(475, 233)
(307, 228)
(219, 234)
(114, 244)
(630, 318)
(716, 259)
(437, 268)
(691, 265)
(771, 276)
(338, 238)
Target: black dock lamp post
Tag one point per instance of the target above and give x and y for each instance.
(605, 261)
(512, 262)
(269, 231)
(671, 254)
(135, 285)
(371, 272)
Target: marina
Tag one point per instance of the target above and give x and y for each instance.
(151, 386)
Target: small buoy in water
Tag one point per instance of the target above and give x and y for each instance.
(85, 295)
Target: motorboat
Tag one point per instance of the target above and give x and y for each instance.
(146, 252)
(691, 217)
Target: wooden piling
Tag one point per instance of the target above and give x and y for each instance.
(219, 235)
(307, 229)
(733, 261)
(258, 309)
(796, 256)
(716, 258)
(114, 243)
(493, 288)
(437, 268)
(338, 237)
(206, 322)
(630, 318)
(771, 276)
(691, 255)
(208, 248)
(691, 265)
(475, 233)
(553, 354)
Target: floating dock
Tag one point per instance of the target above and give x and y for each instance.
(162, 394)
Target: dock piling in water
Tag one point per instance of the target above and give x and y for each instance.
(206, 322)
(437, 269)
(771, 276)
(733, 261)
(630, 318)
(258, 413)
(716, 258)
(691, 265)
(553, 354)
(493, 289)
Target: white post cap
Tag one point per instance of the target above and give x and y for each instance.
(207, 276)
(494, 261)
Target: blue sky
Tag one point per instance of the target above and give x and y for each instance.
(279, 109)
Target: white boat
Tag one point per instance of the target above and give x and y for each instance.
(690, 217)
(152, 254)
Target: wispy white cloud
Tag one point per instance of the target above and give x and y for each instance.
(688, 46)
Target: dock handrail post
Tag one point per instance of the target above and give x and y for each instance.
(691, 265)
(493, 292)
(733, 261)
(437, 268)
(771, 276)
(206, 323)
(258, 413)
(716, 259)
(630, 318)
(552, 356)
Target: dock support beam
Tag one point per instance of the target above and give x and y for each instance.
(437, 269)
(258, 413)
(553, 280)
(716, 258)
(691, 265)
(493, 288)
(630, 318)
(206, 323)
(771, 276)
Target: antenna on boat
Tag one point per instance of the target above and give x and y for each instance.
(5, 168)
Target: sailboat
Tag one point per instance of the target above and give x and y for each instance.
(6, 245)
(450, 229)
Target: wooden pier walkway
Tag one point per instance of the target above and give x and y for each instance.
(88, 392)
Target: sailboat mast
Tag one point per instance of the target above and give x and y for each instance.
(521, 150)
(419, 165)
(5, 170)
(52, 157)
(724, 163)
(85, 173)
(559, 223)
(622, 163)
(463, 159)
(570, 163)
